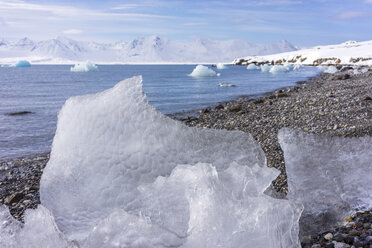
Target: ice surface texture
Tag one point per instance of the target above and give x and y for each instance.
(121, 173)
(329, 176)
(265, 68)
(84, 67)
(203, 71)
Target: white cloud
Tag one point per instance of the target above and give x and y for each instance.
(353, 15)
(72, 31)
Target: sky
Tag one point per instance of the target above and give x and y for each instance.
(301, 22)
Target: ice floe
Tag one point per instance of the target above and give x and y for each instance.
(122, 174)
(226, 85)
(329, 176)
(279, 69)
(265, 68)
(253, 67)
(203, 71)
(221, 66)
(84, 67)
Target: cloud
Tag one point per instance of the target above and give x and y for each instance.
(368, 1)
(353, 15)
(72, 31)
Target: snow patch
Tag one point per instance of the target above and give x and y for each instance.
(84, 67)
(203, 71)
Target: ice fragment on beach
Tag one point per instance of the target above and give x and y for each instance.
(203, 71)
(39, 230)
(253, 67)
(265, 68)
(330, 69)
(221, 66)
(84, 67)
(329, 176)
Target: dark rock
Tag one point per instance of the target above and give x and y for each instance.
(258, 101)
(341, 77)
(280, 95)
(19, 113)
(236, 107)
(366, 98)
(220, 106)
(14, 198)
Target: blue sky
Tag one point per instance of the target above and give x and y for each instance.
(303, 23)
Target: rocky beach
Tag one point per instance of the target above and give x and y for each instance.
(331, 104)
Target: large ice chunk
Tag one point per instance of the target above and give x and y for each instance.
(84, 67)
(203, 71)
(107, 145)
(329, 176)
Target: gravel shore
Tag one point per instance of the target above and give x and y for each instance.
(330, 104)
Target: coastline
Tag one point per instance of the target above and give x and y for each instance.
(330, 104)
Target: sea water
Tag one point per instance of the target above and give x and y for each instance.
(43, 89)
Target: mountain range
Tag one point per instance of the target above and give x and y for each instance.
(151, 49)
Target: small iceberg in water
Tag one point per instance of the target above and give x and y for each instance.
(22, 63)
(203, 71)
(84, 67)
(221, 66)
(226, 85)
(253, 67)
(280, 69)
(265, 68)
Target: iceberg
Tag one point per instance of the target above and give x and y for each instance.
(331, 70)
(265, 68)
(84, 67)
(297, 67)
(279, 69)
(203, 71)
(221, 66)
(253, 67)
(22, 63)
(329, 176)
(122, 174)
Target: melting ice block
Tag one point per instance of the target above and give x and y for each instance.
(84, 67)
(124, 174)
(279, 69)
(265, 68)
(203, 71)
(329, 176)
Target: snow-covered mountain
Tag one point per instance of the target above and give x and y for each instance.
(350, 52)
(151, 49)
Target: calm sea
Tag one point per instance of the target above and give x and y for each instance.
(43, 89)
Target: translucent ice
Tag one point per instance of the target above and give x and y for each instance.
(203, 71)
(22, 63)
(279, 69)
(84, 67)
(329, 176)
(122, 174)
(253, 67)
(265, 68)
(221, 66)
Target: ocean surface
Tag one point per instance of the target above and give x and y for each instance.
(42, 90)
